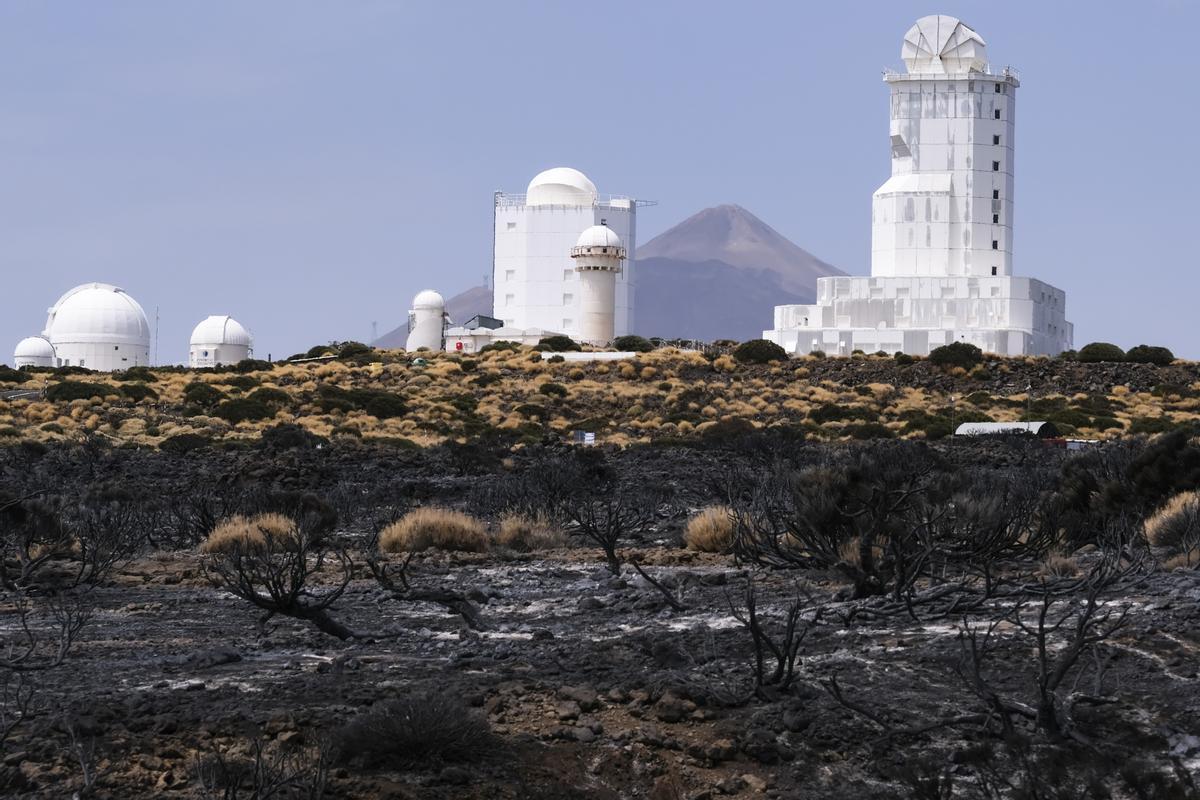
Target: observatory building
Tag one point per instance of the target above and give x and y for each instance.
(535, 282)
(426, 322)
(217, 341)
(942, 224)
(597, 255)
(97, 326)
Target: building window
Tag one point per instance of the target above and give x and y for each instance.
(510, 299)
(995, 166)
(512, 226)
(995, 244)
(993, 270)
(510, 274)
(568, 299)
(995, 219)
(996, 138)
(997, 113)
(568, 324)
(997, 88)
(995, 194)
(567, 273)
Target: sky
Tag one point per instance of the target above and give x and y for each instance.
(309, 166)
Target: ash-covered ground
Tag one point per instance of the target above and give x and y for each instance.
(934, 672)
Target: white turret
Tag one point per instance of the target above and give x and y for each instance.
(34, 351)
(597, 255)
(218, 340)
(426, 322)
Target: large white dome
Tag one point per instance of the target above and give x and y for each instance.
(599, 236)
(218, 330)
(97, 312)
(428, 299)
(561, 186)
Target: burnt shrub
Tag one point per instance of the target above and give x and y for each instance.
(632, 344)
(558, 344)
(869, 430)
(553, 390)
(1150, 354)
(834, 412)
(956, 354)
(243, 409)
(1100, 351)
(138, 391)
(759, 351)
(184, 443)
(66, 391)
(202, 394)
(289, 436)
(385, 405)
(416, 731)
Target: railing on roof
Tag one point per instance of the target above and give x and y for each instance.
(503, 199)
(988, 70)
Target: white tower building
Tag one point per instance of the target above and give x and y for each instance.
(219, 340)
(942, 224)
(535, 283)
(426, 322)
(34, 351)
(100, 327)
(597, 255)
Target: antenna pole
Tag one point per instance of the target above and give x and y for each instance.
(154, 360)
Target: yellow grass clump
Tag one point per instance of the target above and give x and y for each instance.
(250, 533)
(528, 534)
(1176, 526)
(710, 530)
(436, 527)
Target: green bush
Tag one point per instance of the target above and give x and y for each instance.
(270, 396)
(632, 344)
(1100, 351)
(836, 412)
(556, 359)
(956, 354)
(243, 382)
(558, 344)
(10, 375)
(316, 351)
(138, 391)
(251, 365)
(142, 374)
(553, 389)
(350, 349)
(759, 351)
(502, 346)
(385, 405)
(184, 443)
(903, 359)
(243, 409)
(1151, 425)
(51, 427)
(1150, 354)
(78, 390)
(817, 354)
(468, 365)
(202, 394)
(868, 430)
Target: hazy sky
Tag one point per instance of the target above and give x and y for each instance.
(308, 166)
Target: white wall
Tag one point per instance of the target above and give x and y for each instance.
(216, 354)
(101, 356)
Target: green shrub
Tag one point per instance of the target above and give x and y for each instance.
(1100, 351)
(632, 344)
(1069, 355)
(242, 382)
(138, 391)
(835, 412)
(243, 409)
(52, 427)
(868, 430)
(78, 390)
(184, 443)
(553, 389)
(1149, 354)
(468, 365)
(1151, 425)
(316, 351)
(903, 359)
(350, 349)
(10, 375)
(486, 379)
(956, 354)
(142, 374)
(202, 394)
(817, 354)
(385, 405)
(502, 346)
(759, 351)
(558, 344)
(251, 365)
(270, 396)
(555, 360)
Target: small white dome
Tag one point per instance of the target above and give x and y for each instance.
(34, 347)
(943, 44)
(428, 299)
(97, 313)
(561, 186)
(599, 236)
(217, 330)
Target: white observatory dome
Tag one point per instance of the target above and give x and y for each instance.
(599, 236)
(942, 44)
(428, 299)
(100, 327)
(219, 340)
(561, 186)
(34, 351)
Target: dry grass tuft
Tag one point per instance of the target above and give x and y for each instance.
(250, 533)
(1176, 526)
(435, 527)
(710, 531)
(1056, 565)
(529, 534)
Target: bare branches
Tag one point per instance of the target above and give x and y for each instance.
(784, 647)
(396, 583)
(605, 517)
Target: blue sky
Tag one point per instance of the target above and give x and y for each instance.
(308, 166)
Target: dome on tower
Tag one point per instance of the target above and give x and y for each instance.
(428, 299)
(218, 330)
(599, 236)
(34, 351)
(943, 44)
(561, 186)
(97, 312)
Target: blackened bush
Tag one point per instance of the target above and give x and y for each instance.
(553, 390)
(142, 374)
(1150, 354)
(558, 344)
(202, 394)
(10, 375)
(289, 436)
(632, 344)
(78, 390)
(243, 409)
(1100, 351)
(138, 391)
(416, 731)
(956, 354)
(184, 443)
(759, 351)
(869, 430)
(251, 365)
(385, 405)
(834, 412)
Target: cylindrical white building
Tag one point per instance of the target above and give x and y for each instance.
(426, 322)
(34, 351)
(219, 340)
(597, 255)
(100, 327)
(534, 282)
